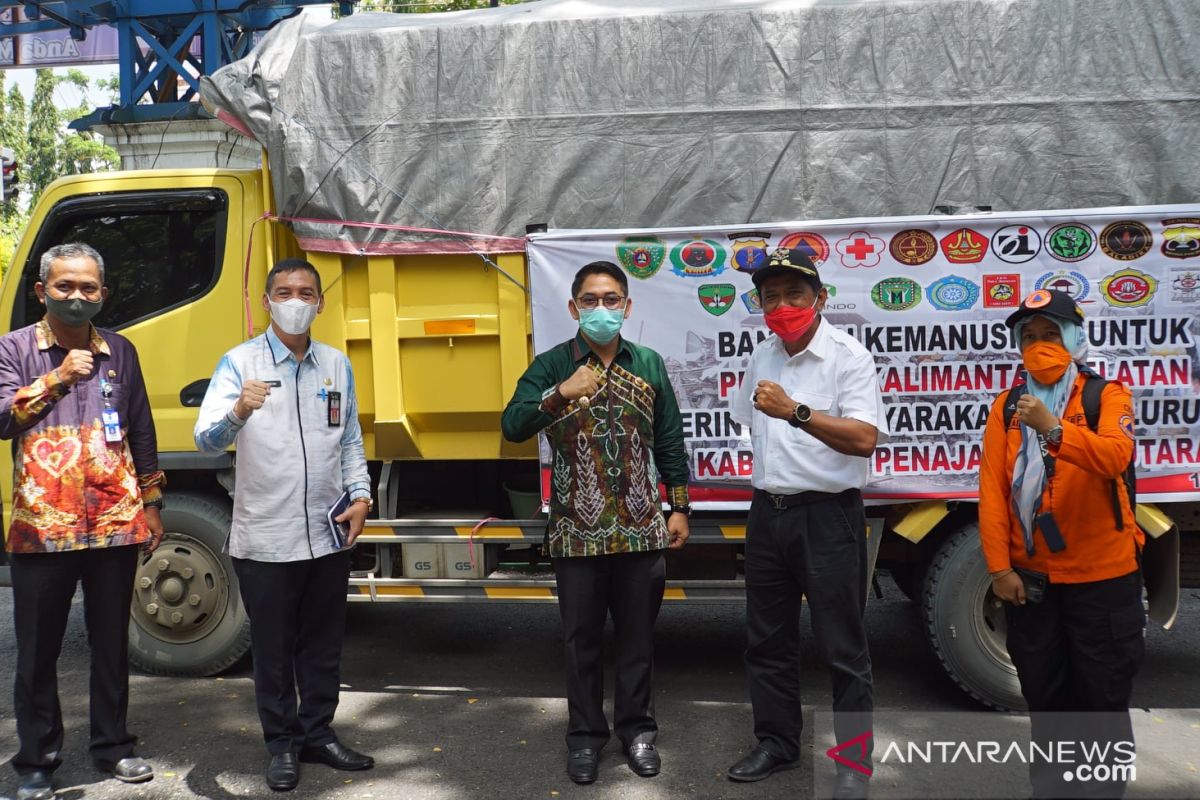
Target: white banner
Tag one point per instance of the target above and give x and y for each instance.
(927, 296)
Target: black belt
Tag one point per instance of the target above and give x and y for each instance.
(782, 501)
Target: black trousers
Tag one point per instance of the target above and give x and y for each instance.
(297, 622)
(43, 585)
(1076, 653)
(630, 586)
(818, 550)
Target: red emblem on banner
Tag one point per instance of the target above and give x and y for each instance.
(811, 244)
(1002, 291)
(964, 246)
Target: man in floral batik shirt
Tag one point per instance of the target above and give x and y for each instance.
(87, 496)
(613, 424)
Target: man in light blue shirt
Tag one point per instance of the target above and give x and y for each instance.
(289, 404)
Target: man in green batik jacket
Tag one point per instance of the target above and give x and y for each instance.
(610, 415)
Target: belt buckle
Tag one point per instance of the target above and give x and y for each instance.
(777, 501)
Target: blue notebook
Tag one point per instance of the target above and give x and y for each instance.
(339, 531)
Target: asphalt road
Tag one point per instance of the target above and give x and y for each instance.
(465, 702)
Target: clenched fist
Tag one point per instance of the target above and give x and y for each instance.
(75, 367)
(254, 394)
(1034, 414)
(583, 383)
(770, 398)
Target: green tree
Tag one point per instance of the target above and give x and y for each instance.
(45, 148)
(44, 120)
(15, 133)
(81, 152)
(55, 150)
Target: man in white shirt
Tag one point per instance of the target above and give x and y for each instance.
(289, 403)
(811, 398)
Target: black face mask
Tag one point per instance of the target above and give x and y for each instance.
(75, 312)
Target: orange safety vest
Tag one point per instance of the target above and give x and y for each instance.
(1079, 494)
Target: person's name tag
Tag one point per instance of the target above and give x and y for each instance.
(334, 408)
(112, 425)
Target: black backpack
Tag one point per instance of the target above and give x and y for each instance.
(1092, 389)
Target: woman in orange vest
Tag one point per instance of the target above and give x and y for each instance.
(1061, 543)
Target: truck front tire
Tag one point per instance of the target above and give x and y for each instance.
(965, 622)
(187, 617)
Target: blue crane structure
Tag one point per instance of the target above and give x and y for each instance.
(156, 44)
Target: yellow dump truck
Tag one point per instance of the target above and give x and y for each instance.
(438, 343)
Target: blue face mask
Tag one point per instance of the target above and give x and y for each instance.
(600, 324)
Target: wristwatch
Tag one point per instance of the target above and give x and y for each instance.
(370, 501)
(154, 504)
(800, 415)
(1055, 434)
(686, 510)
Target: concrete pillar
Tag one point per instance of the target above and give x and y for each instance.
(181, 143)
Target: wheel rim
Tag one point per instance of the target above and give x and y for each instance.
(991, 626)
(180, 592)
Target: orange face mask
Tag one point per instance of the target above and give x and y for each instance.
(1046, 361)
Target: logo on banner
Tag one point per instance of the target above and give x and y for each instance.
(749, 250)
(831, 303)
(753, 301)
(1127, 288)
(641, 256)
(1181, 239)
(913, 247)
(1002, 291)
(1126, 240)
(698, 258)
(811, 244)
(1071, 241)
(1073, 283)
(717, 298)
(1016, 244)
(860, 249)
(896, 294)
(1185, 285)
(952, 293)
(964, 246)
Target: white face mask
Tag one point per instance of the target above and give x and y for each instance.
(293, 316)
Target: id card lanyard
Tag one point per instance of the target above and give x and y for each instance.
(109, 416)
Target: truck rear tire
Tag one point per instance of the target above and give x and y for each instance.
(187, 617)
(965, 623)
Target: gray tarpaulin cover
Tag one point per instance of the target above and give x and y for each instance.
(602, 114)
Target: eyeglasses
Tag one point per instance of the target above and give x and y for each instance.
(590, 301)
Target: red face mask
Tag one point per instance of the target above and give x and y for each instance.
(1046, 361)
(790, 322)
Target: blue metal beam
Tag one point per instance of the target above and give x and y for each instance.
(155, 37)
(89, 13)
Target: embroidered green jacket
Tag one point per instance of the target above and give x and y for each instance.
(609, 456)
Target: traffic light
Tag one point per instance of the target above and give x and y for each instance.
(8, 189)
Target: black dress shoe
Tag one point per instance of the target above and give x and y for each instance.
(643, 760)
(582, 765)
(283, 773)
(850, 786)
(35, 786)
(336, 755)
(757, 765)
(129, 770)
